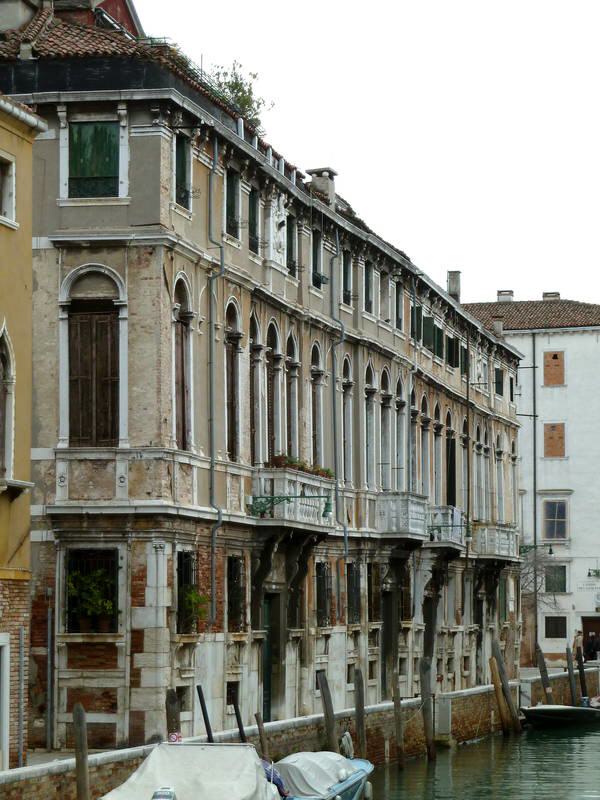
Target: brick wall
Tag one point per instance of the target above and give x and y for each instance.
(42, 583)
(14, 613)
(560, 687)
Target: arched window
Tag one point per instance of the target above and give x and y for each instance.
(437, 456)
(232, 341)
(425, 420)
(487, 478)
(478, 506)
(255, 355)
(6, 408)
(414, 413)
(291, 397)
(181, 320)
(450, 462)
(400, 438)
(465, 466)
(370, 427)
(385, 457)
(316, 405)
(514, 484)
(500, 478)
(347, 385)
(273, 368)
(93, 318)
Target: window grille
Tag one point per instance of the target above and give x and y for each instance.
(374, 591)
(556, 578)
(235, 593)
(187, 581)
(353, 592)
(92, 590)
(556, 627)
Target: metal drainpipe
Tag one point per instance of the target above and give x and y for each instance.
(534, 498)
(49, 698)
(336, 342)
(211, 386)
(413, 370)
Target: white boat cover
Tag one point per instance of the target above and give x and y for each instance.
(313, 774)
(214, 772)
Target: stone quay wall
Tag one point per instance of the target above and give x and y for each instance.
(459, 717)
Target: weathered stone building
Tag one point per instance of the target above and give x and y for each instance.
(18, 128)
(258, 449)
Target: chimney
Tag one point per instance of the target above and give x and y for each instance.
(551, 296)
(323, 181)
(498, 325)
(505, 295)
(453, 282)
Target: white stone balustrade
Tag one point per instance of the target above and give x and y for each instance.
(495, 540)
(402, 513)
(308, 496)
(446, 524)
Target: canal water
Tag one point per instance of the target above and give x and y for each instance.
(534, 766)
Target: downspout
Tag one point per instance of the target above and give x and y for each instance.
(336, 342)
(534, 498)
(212, 314)
(409, 392)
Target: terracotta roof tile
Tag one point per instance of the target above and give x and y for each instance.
(536, 314)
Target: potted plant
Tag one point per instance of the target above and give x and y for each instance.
(192, 607)
(89, 598)
(279, 461)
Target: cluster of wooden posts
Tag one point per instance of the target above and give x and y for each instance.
(548, 696)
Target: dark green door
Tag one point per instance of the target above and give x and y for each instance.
(267, 658)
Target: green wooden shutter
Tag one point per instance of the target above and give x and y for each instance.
(93, 159)
(428, 332)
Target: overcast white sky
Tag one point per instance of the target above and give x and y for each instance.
(466, 132)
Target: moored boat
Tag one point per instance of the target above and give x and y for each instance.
(324, 776)
(557, 715)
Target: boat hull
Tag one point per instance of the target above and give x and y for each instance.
(553, 716)
(350, 789)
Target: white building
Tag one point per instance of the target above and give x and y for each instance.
(558, 400)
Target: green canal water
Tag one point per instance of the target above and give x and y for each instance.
(534, 766)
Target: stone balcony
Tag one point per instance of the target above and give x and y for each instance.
(446, 526)
(402, 514)
(496, 541)
(309, 499)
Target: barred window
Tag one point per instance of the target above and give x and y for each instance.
(187, 592)
(556, 627)
(92, 591)
(353, 592)
(323, 574)
(235, 593)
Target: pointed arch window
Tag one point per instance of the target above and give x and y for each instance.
(465, 466)
(273, 373)
(316, 388)
(425, 420)
(487, 479)
(347, 385)
(255, 357)
(291, 398)
(182, 406)
(385, 457)
(414, 482)
(6, 395)
(370, 390)
(232, 404)
(400, 439)
(450, 462)
(437, 456)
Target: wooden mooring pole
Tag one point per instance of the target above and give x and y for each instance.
(398, 723)
(173, 710)
(502, 707)
(359, 700)
(426, 705)
(82, 774)
(262, 735)
(332, 742)
(548, 696)
(572, 684)
(207, 725)
(581, 672)
(512, 708)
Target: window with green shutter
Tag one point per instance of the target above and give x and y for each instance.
(182, 171)
(416, 322)
(253, 204)
(94, 159)
(499, 380)
(438, 342)
(428, 332)
(464, 360)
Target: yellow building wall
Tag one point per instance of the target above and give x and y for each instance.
(16, 139)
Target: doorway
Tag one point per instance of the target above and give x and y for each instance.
(271, 660)
(590, 625)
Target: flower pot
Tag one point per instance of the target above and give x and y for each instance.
(105, 623)
(279, 461)
(85, 624)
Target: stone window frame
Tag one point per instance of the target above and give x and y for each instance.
(64, 301)
(8, 191)
(119, 115)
